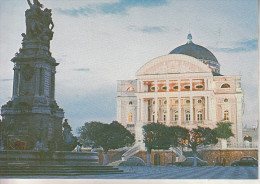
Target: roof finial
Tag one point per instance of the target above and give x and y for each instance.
(189, 37)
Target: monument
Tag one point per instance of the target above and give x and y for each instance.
(32, 115)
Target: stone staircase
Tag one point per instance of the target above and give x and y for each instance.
(25, 169)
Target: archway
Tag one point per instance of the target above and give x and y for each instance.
(156, 159)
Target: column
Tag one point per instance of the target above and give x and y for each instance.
(155, 109)
(179, 85)
(141, 86)
(168, 111)
(15, 82)
(156, 86)
(138, 110)
(168, 85)
(37, 81)
(239, 112)
(179, 111)
(206, 108)
(190, 84)
(142, 110)
(206, 84)
(191, 109)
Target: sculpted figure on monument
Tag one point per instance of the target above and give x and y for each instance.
(38, 22)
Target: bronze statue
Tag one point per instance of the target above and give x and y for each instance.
(38, 22)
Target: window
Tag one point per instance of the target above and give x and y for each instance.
(225, 86)
(152, 88)
(199, 116)
(175, 117)
(186, 87)
(130, 117)
(130, 89)
(199, 87)
(165, 102)
(164, 117)
(175, 87)
(130, 103)
(130, 125)
(187, 101)
(225, 100)
(199, 101)
(226, 115)
(187, 115)
(164, 88)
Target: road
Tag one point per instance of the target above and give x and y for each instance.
(162, 172)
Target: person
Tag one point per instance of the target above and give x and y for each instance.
(224, 162)
(217, 162)
(78, 147)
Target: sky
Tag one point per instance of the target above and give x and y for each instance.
(98, 42)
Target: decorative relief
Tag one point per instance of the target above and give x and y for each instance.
(27, 72)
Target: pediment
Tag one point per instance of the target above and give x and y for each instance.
(171, 64)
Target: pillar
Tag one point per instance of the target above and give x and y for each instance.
(168, 112)
(155, 109)
(190, 84)
(179, 85)
(206, 107)
(179, 111)
(37, 81)
(191, 109)
(15, 82)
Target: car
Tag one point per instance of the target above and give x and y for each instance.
(245, 161)
(189, 162)
(133, 161)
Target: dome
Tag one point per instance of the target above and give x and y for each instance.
(196, 51)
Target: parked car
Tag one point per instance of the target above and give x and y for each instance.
(189, 162)
(245, 161)
(133, 161)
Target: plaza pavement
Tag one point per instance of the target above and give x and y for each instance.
(162, 172)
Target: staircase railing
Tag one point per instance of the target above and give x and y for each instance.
(135, 149)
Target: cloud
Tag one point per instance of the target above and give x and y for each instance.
(149, 29)
(243, 46)
(120, 7)
(82, 69)
(6, 80)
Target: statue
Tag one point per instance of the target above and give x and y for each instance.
(38, 22)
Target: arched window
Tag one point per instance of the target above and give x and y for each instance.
(175, 116)
(225, 85)
(199, 116)
(225, 100)
(130, 117)
(130, 89)
(130, 103)
(199, 101)
(226, 115)
(187, 115)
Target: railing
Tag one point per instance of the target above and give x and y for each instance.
(135, 149)
(178, 151)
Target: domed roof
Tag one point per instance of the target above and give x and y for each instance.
(196, 51)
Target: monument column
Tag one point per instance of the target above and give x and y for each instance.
(16, 81)
(37, 80)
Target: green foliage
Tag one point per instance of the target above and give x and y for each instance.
(107, 136)
(156, 136)
(177, 134)
(223, 130)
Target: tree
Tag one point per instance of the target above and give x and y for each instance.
(106, 136)
(177, 135)
(156, 136)
(199, 136)
(223, 131)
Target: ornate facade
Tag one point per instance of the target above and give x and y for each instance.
(182, 88)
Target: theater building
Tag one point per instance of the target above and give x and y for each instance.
(182, 88)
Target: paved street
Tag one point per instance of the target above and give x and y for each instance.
(170, 173)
